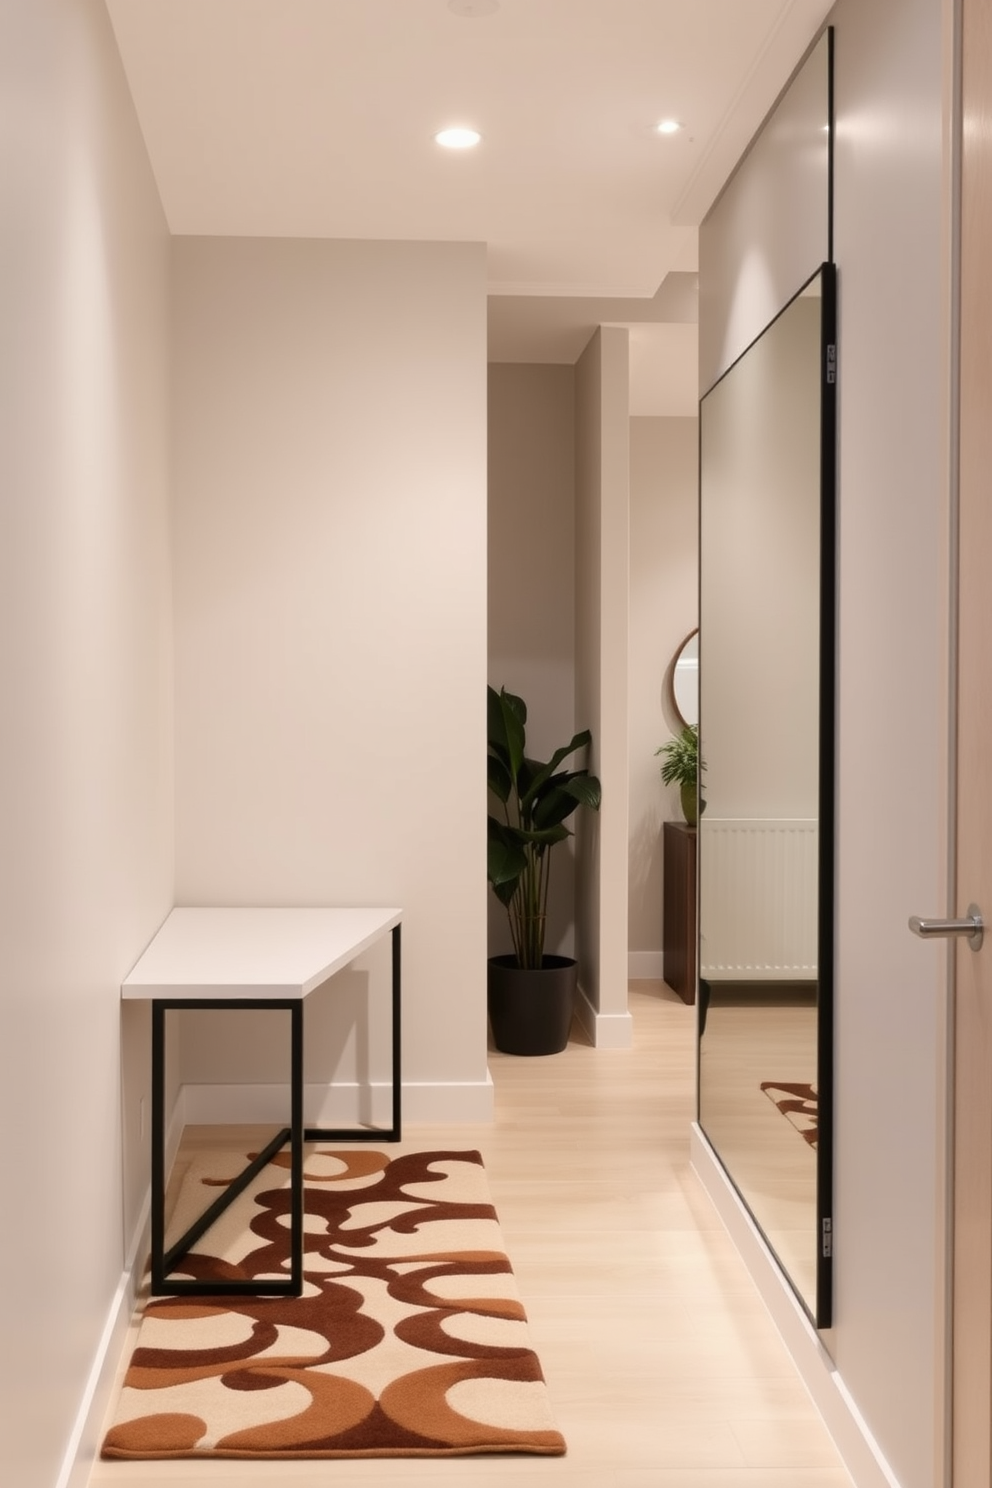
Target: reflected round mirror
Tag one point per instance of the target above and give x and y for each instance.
(685, 679)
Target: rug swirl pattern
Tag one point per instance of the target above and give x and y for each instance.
(409, 1338)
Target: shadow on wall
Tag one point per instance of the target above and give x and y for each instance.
(645, 869)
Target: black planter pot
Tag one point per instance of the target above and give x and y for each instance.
(531, 1011)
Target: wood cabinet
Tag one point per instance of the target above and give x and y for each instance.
(679, 909)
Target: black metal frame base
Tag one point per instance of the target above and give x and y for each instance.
(163, 1260)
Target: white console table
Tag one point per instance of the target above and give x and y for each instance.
(253, 958)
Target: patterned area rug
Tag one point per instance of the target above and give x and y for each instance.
(409, 1338)
(798, 1104)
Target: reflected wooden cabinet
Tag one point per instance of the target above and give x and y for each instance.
(679, 909)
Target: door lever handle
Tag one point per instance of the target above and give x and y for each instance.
(973, 926)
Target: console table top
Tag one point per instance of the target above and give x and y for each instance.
(245, 953)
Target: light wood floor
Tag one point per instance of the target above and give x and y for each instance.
(772, 1167)
(663, 1367)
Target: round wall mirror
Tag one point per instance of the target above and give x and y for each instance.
(685, 679)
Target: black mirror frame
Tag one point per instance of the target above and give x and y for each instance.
(822, 1312)
(827, 795)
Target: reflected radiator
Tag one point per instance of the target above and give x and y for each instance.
(757, 899)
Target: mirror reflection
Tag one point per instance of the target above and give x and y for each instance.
(685, 680)
(760, 731)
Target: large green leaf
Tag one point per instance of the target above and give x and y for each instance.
(505, 891)
(543, 773)
(529, 770)
(498, 777)
(554, 805)
(563, 794)
(506, 716)
(494, 721)
(585, 788)
(506, 857)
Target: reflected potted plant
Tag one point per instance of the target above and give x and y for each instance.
(682, 767)
(530, 992)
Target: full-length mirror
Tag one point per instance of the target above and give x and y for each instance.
(765, 840)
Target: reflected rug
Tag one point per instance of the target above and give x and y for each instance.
(409, 1338)
(798, 1104)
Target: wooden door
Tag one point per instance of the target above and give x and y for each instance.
(971, 1385)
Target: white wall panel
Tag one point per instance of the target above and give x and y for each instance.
(330, 418)
(602, 539)
(892, 719)
(664, 605)
(532, 584)
(768, 231)
(85, 676)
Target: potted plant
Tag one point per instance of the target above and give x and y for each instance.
(530, 993)
(682, 767)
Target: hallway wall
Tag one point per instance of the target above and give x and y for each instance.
(894, 472)
(664, 606)
(602, 539)
(85, 676)
(531, 558)
(330, 580)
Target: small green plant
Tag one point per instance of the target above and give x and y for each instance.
(681, 757)
(536, 798)
(682, 767)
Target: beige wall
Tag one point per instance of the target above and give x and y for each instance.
(768, 230)
(893, 709)
(532, 584)
(330, 580)
(532, 620)
(85, 673)
(664, 534)
(602, 481)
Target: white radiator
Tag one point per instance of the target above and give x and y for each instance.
(757, 899)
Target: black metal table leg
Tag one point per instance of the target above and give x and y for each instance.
(164, 1261)
(158, 1146)
(377, 1133)
(394, 1134)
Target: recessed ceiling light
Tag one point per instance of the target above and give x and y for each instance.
(458, 138)
(668, 126)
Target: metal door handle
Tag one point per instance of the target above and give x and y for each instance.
(973, 927)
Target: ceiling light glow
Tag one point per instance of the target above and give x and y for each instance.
(668, 126)
(458, 138)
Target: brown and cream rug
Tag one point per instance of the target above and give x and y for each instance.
(409, 1338)
(798, 1104)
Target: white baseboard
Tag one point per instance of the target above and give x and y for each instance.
(429, 1103)
(340, 1105)
(858, 1449)
(645, 966)
(87, 1431)
(605, 1030)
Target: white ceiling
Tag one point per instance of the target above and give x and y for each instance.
(316, 118)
